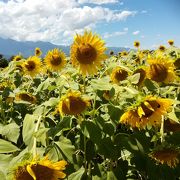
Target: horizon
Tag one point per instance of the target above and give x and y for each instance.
(118, 22)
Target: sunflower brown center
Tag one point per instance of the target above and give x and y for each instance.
(22, 174)
(43, 172)
(177, 63)
(56, 60)
(158, 72)
(30, 66)
(86, 54)
(121, 75)
(18, 59)
(148, 112)
(76, 106)
(26, 97)
(37, 51)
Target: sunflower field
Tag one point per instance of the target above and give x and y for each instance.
(91, 115)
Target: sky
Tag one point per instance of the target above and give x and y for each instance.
(118, 22)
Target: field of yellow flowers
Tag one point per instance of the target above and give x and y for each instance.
(91, 115)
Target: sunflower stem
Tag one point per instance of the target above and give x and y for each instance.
(35, 139)
(162, 129)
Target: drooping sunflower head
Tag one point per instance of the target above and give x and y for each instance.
(124, 53)
(147, 112)
(32, 66)
(142, 73)
(167, 156)
(136, 44)
(111, 53)
(72, 103)
(118, 74)
(162, 48)
(17, 58)
(87, 53)
(55, 60)
(23, 96)
(161, 69)
(132, 119)
(171, 42)
(42, 169)
(37, 52)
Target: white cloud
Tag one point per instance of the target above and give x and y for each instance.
(136, 32)
(144, 11)
(52, 20)
(98, 1)
(114, 34)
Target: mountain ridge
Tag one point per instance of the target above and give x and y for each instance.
(10, 47)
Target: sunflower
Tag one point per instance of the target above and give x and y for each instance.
(37, 52)
(171, 42)
(162, 48)
(124, 53)
(23, 96)
(87, 53)
(111, 53)
(72, 103)
(147, 112)
(42, 169)
(32, 66)
(136, 44)
(168, 156)
(55, 60)
(17, 58)
(161, 69)
(118, 74)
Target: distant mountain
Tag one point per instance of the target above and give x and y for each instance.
(9, 47)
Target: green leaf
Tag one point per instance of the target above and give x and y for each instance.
(66, 148)
(11, 131)
(28, 128)
(7, 147)
(134, 79)
(131, 90)
(91, 131)
(101, 84)
(41, 135)
(111, 176)
(77, 175)
(2, 176)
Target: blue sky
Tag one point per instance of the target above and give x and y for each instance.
(119, 22)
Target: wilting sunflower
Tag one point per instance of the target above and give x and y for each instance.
(72, 103)
(42, 169)
(23, 96)
(162, 48)
(147, 112)
(171, 42)
(37, 52)
(124, 53)
(168, 156)
(136, 44)
(17, 58)
(32, 66)
(161, 69)
(118, 75)
(55, 60)
(87, 53)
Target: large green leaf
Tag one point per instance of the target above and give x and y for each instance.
(11, 131)
(28, 128)
(66, 148)
(7, 147)
(77, 175)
